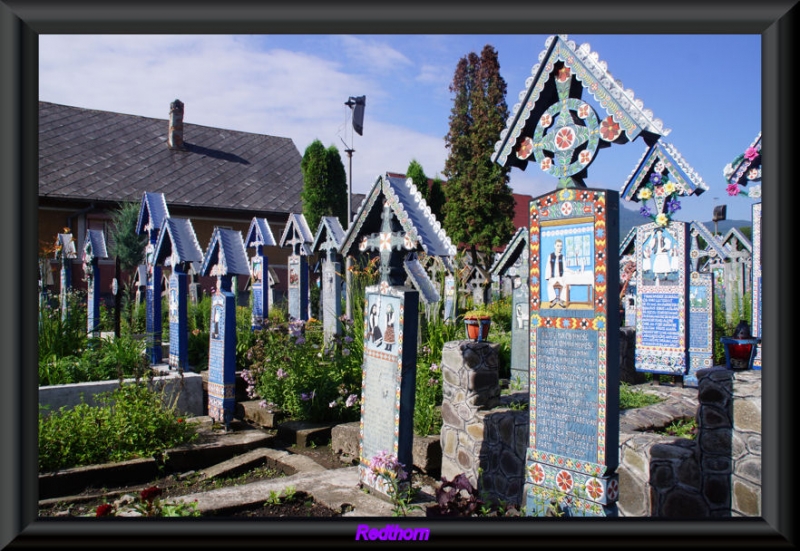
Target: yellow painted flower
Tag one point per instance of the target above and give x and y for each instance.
(645, 194)
(662, 219)
(669, 188)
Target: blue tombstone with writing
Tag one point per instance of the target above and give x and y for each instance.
(177, 248)
(329, 239)
(394, 223)
(297, 236)
(225, 258)
(701, 301)
(152, 213)
(259, 236)
(94, 248)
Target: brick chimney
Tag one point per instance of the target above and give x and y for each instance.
(175, 136)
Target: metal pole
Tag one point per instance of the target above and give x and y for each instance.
(348, 274)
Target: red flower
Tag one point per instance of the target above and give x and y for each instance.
(180, 419)
(104, 510)
(609, 130)
(149, 494)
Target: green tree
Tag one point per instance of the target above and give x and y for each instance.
(324, 185)
(417, 175)
(436, 198)
(127, 248)
(479, 209)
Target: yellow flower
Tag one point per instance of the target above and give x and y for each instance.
(662, 219)
(669, 188)
(645, 193)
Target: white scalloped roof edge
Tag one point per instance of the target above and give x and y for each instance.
(599, 68)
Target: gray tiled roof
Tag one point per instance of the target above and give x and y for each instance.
(93, 155)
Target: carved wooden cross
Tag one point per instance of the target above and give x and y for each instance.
(387, 242)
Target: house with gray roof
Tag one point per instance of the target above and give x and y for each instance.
(91, 160)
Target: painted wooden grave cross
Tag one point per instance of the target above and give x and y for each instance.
(94, 248)
(225, 258)
(259, 235)
(573, 246)
(329, 239)
(297, 236)
(513, 264)
(177, 248)
(395, 223)
(152, 213)
(65, 253)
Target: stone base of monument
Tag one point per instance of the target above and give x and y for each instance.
(252, 411)
(426, 450)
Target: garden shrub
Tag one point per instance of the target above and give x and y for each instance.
(130, 422)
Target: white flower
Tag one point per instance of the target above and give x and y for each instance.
(755, 192)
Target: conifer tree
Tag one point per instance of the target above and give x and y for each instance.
(324, 185)
(479, 207)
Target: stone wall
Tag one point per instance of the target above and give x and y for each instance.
(716, 475)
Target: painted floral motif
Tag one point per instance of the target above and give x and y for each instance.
(525, 149)
(565, 138)
(546, 164)
(664, 193)
(584, 110)
(564, 481)
(745, 172)
(537, 473)
(546, 120)
(594, 488)
(563, 74)
(609, 129)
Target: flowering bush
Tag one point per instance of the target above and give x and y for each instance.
(293, 370)
(390, 475)
(664, 195)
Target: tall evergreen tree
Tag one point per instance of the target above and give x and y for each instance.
(417, 175)
(436, 198)
(479, 209)
(127, 248)
(324, 185)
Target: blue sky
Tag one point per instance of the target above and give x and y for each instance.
(705, 88)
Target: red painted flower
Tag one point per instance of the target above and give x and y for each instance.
(564, 481)
(546, 163)
(525, 149)
(537, 473)
(564, 138)
(594, 488)
(609, 129)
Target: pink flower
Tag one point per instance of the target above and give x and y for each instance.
(751, 153)
(733, 190)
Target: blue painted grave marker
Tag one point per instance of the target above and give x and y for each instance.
(152, 213)
(297, 236)
(259, 236)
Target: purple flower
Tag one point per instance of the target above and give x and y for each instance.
(281, 374)
(655, 178)
(348, 339)
(306, 396)
(332, 404)
(345, 352)
(673, 205)
(644, 211)
(351, 400)
(300, 340)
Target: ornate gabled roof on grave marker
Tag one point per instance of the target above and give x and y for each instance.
(95, 244)
(178, 239)
(735, 237)
(714, 246)
(410, 209)
(658, 158)
(259, 233)
(624, 112)
(475, 273)
(329, 234)
(422, 282)
(514, 249)
(297, 231)
(628, 243)
(65, 246)
(226, 254)
(746, 167)
(152, 212)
